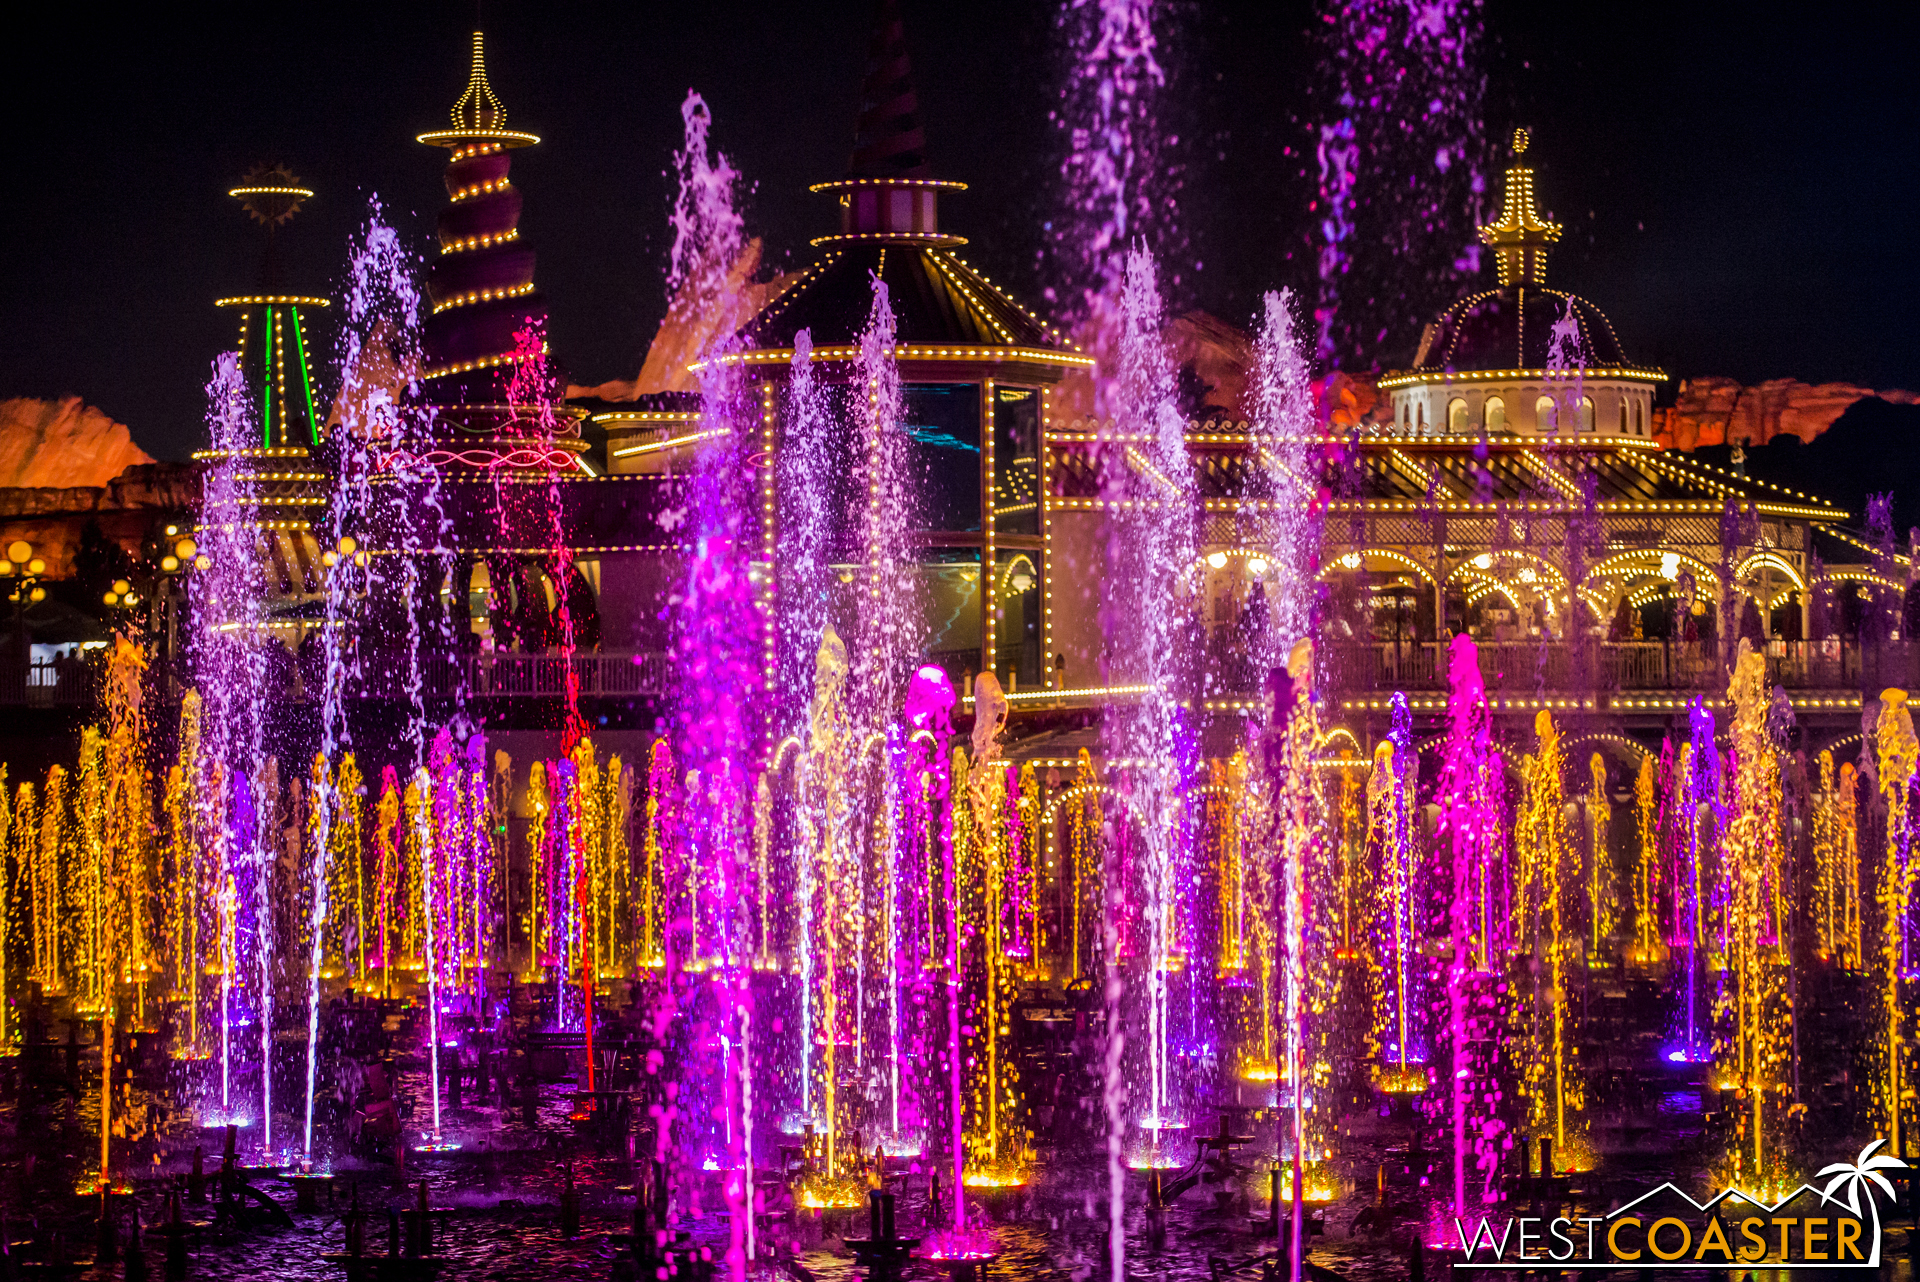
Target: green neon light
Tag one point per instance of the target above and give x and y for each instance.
(266, 386)
(306, 378)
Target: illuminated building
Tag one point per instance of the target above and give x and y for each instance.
(1514, 490)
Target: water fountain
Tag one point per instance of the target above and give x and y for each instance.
(870, 903)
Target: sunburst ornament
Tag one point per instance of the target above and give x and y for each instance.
(270, 194)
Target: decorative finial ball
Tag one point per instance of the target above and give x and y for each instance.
(1520, 141)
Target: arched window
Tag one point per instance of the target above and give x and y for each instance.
(1639, 418)
(1420, 416)
(1457, 414)
(1406, 415)
(1545, 417)
(1623, 416)
(1586, 413)
(1496, 414)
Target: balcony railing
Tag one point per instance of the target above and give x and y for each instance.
(1609, 665)
(531, 676)
(601, 675)
(1516, 668)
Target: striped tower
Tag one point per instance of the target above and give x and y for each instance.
(484, 344)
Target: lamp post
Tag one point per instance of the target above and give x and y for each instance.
(153, 588)
(20, 573)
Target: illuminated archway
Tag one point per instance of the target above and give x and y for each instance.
(1666, 564)
(1357, 560)
(1772, 561)
(1493, 564)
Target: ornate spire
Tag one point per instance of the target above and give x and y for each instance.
(477, 114)
(1521, 237)
(477, 108)
(888, 142)
(487, 318)
(886, 194)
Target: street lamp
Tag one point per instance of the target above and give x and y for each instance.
(20, 573)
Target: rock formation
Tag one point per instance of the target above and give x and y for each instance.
(1213, 359)
(127, 507)
(1718, 411)
(60, 444)
(687, 330)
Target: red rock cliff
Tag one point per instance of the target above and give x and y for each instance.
(61, 444)
(1714, 411)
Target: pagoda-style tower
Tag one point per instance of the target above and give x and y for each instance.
(484, 344)
(1522, 358)
(285, 491)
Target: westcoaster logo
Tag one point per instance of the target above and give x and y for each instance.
(1664, 1228)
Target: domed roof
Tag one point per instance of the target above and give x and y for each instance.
(1515, 327)
(1522, 326)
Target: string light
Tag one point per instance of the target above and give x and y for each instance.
(1623, 373)
(271, 191)
(671, 443)
(849, 184)
(930, 238)
(909, 352)
(486, 188)
(482, 296)
(645, 416)
(271, 451)
(276, 300)
(485, 362)
(479, 242)
(989, 607)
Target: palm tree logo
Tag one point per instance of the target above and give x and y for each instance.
(1862, 1172)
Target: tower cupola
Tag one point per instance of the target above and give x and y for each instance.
(1521, 238)
(888, 194)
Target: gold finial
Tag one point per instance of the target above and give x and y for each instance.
(477, 107)
(1520, 238)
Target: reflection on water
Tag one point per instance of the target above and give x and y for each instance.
(501, 1191)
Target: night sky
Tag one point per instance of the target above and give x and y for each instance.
(1739, 192)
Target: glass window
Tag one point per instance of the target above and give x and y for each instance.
(1016, 460)
(1419, 416)
(950, 588)
(1623, 416)
(943, 455)
(1457, 414)
(1016, 631)
(1546, 417)
(1496, 414)
(1639, 418)
(479, 588)
(822, 490)
(1586, 413)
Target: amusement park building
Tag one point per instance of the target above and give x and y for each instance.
(1516, 491)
